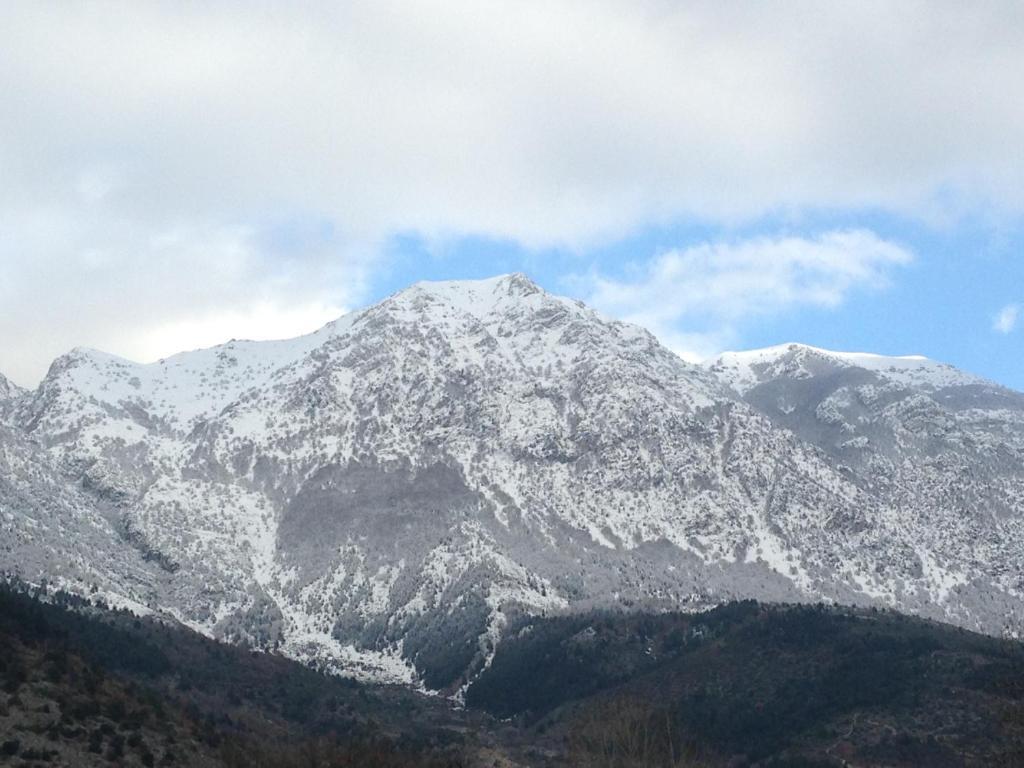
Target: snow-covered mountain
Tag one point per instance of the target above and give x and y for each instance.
(382, 495)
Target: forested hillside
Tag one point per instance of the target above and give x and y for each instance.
(742, 685)
(765, 685)
(87, 686)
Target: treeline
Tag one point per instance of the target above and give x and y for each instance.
(775, 685)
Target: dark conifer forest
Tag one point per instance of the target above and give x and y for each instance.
(741, 685)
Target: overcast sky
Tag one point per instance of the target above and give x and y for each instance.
(728, 174)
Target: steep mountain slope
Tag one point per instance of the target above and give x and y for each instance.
(7, 389)
(383, 495)
(10, 393)
(942, 450)
(52, 531)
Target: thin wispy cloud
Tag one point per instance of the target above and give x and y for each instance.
(1005, 320)
(718, 286)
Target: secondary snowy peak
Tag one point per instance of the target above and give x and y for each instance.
(863, 408)
(745, 370)
(181, 389)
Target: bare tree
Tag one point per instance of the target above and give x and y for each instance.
(626, 732)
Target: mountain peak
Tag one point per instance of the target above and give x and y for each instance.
(745, 370)
(519, 282)
(512, 285)
(482, 298)
(797, 348)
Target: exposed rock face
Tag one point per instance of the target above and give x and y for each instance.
(381, 495)
(7, 390)
(9, 396)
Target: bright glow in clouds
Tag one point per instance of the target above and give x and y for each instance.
(260, 322)
(1006, 320)
(119, 287)
(723, 283)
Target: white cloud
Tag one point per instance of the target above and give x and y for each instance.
(552, 123)
(144, 293)
(1006, 319)
(260, 321)
(718, 286)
